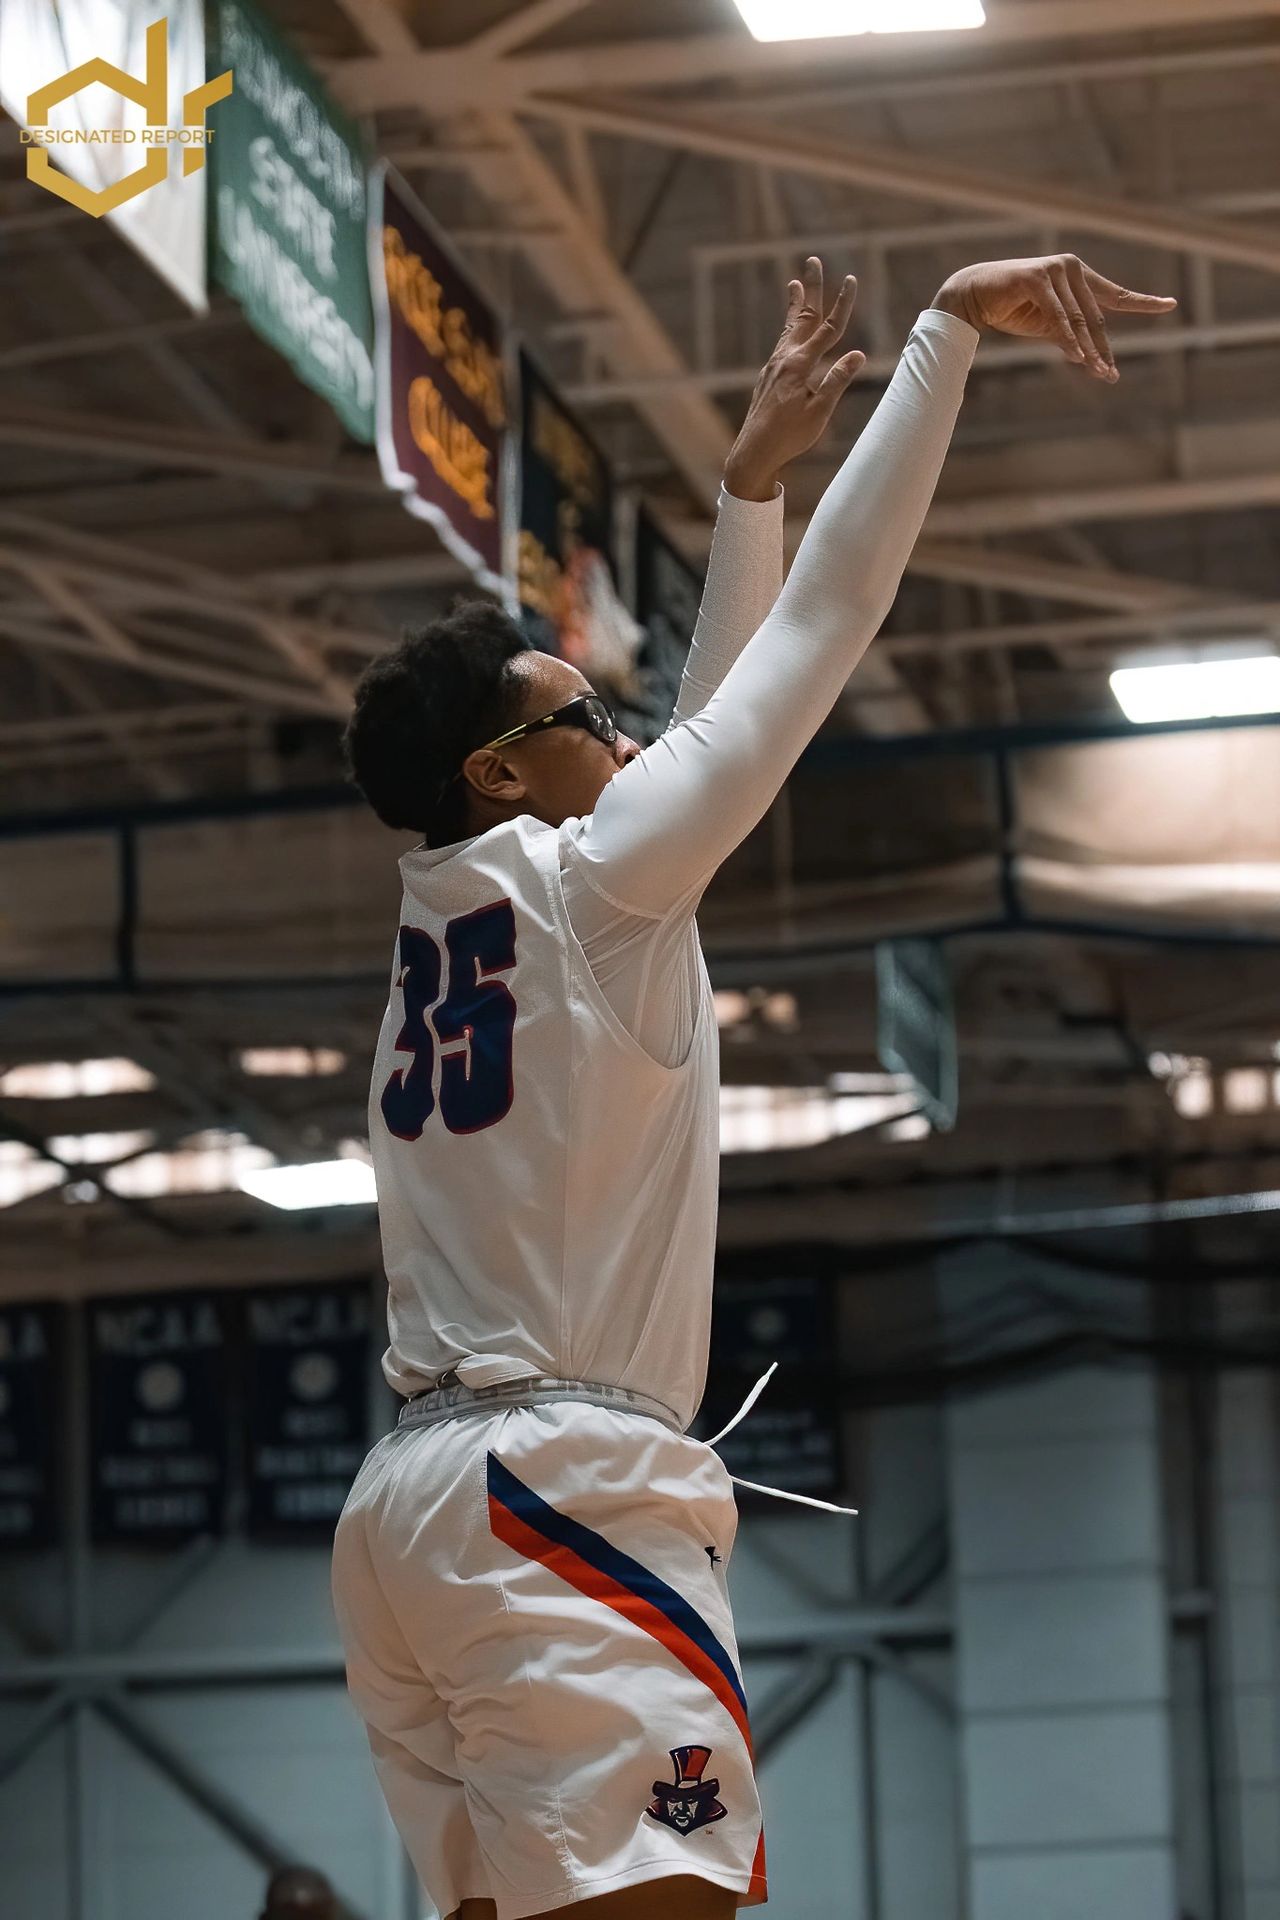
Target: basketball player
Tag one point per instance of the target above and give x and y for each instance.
(530, 1571)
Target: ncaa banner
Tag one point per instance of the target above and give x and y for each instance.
(791, 1438)
(308, 1405)
(289, 214)
(113, 104)
(442, 390)
(30, 1347)
(157, 1419)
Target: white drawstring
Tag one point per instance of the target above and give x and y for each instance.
(746, 1406)
(801, 1499)
(774, 1493)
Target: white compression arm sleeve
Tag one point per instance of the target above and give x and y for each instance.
(744, 578)
(666, 821)
(649, 970)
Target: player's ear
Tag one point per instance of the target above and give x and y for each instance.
(492, 776)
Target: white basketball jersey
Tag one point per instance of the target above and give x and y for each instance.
(547, 1191)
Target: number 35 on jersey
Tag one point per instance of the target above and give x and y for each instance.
(465, 1022)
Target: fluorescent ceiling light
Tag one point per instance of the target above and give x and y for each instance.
(736, 1009)
(833, 19)
(324, 1183)
(292, 1062)
(1192, 1093)
(23, 1173)
(74, 1079)
(1199, 689)
(1246, 1090)
(870, 1083)
(768, 1119)
(90, 1149)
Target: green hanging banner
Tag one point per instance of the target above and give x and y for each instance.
(916, 1024)
(288, 213)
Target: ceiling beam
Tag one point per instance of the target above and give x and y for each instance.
(582, 173)
(1104, 587)
(123, 578)
(137, 750)
(382, 26)
(1018, 76)
(797, 241)
(1138, 500)
(581, 272)
(276, 695)
(307, 659)
(195, 397)
(142, 577)
(373, 573)
(1115, 451)
(451, 80)
(55, 730)
(1014, 573)
(122, 441)
(64, 598)
(114, 555)
(295, 642)
(1241, 620)
(992, 354)
(941, 182)
(132, 336)
(975, 566)
(199, 1076)
(154, 770)
(525, 24)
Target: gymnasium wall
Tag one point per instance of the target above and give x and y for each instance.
(208, 1732)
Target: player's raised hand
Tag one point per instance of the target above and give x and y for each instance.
(1056, 297)
(798, 387)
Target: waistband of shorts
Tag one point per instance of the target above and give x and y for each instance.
(455, 1402)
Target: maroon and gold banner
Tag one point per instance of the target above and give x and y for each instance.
(441, 391)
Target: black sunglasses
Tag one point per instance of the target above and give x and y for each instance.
(586, 710)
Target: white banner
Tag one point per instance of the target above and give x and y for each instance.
(152, 137)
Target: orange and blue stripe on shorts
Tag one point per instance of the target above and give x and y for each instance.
(587, 1561)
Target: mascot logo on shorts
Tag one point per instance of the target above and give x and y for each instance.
(691, 1803)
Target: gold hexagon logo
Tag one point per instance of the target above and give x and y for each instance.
(151, 93)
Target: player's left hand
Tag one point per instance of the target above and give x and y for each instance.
(796, 393)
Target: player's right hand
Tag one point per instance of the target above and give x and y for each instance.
(1056, 297)
(796, 393)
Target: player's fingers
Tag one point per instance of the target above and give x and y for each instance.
(1069, 304)
(837, 377)
(795, 300)
(1117, 299)
(811, 307)
(1092, 312)
(842, 312)
(1049, 305)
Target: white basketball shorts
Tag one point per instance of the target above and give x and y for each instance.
(539, 1641)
